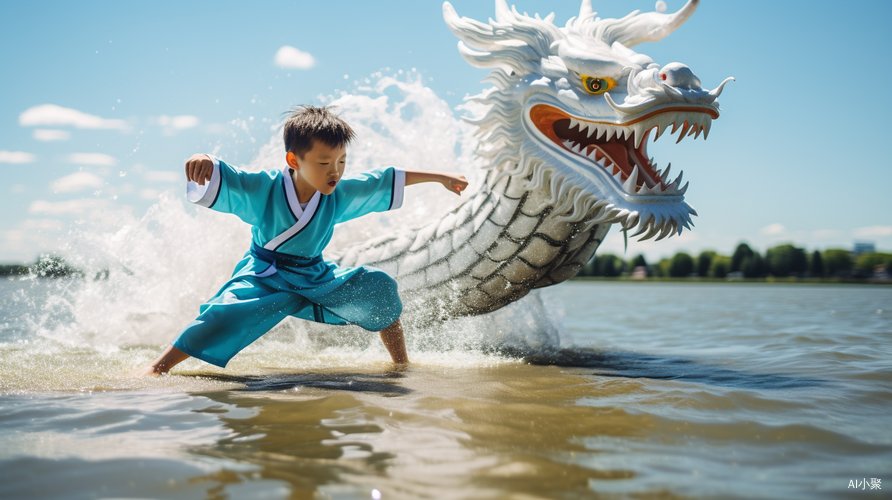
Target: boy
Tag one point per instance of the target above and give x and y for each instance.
(292, 213)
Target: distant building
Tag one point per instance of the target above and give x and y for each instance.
(864, 247)
(639, 273)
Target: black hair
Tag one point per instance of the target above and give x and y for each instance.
(307, 123)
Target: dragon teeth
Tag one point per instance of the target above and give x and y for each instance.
(583, 126)
(639, 135)
(573, 123)
(631, 183)
(684, 132)
(591, 129)
(665, 175)
(677, 180)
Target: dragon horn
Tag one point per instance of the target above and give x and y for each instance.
(653, 26)
(586, 8)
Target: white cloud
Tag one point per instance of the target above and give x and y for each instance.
(290, 57)
(161, 176)
(149, 194)
(178, 122)
(16, 157)
(823, 234)
(15, 235)
(41, 224)
(872, 231)
(43, 134)
(92, 159)
(215, 128)
(77, 181)
(52, 115)
(70, 207)
(773, 229)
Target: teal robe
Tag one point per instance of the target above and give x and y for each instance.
(284, 274)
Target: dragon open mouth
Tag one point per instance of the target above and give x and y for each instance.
(621, 149)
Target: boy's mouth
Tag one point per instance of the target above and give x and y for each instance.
(333, 183)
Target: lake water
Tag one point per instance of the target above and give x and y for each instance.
(588, 390)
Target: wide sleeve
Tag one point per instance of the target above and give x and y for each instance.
(376, 191)
(232, 191)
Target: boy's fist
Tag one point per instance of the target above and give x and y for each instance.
(199, 169)
(455, 183)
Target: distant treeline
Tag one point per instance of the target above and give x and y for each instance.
(780, 262)
(47, 266)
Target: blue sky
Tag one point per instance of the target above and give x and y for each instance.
(135, 88)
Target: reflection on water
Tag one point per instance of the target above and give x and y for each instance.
(638, 365)
(717, 402)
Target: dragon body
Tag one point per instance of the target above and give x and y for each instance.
(563, 133)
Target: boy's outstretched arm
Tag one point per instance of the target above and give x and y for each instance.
(453, 182)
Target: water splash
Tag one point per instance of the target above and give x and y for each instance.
(155, 270)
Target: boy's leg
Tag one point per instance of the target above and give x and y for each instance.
(392, 336)
(241, 312)
(167, 360)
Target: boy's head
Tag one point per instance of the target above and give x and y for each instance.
(316, 148)
(308, 124)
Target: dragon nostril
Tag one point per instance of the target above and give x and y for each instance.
(680, 76)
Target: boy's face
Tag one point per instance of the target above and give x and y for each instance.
(322, 167)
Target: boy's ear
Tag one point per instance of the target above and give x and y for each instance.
(292, 161)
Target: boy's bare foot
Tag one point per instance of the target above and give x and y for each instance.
(148, 371)
(397, 367)
(167, 360)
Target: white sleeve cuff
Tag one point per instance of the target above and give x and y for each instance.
(205, 195)
(399, 186)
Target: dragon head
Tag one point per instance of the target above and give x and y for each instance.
(572, 109)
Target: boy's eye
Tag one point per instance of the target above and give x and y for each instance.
(596, 84)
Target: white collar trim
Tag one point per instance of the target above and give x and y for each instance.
(291, 194)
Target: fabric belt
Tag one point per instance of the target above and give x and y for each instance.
(284, 261)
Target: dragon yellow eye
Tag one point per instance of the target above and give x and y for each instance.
(597, 84)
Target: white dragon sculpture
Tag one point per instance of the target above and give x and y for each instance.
(564, 136)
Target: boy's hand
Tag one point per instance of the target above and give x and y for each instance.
(199, 169)
(454, 183)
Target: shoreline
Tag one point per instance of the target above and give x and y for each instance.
(770, 280)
